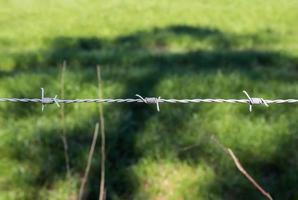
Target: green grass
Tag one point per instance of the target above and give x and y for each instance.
(172, 49)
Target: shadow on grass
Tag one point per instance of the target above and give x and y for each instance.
(150, 52)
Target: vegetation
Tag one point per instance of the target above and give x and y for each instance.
(172, 49)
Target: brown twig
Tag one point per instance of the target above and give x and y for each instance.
(89, 161)
(102, 131)
(62, 115)
(246, 174)
(242, 170)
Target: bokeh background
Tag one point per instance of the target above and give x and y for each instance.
(167, 48)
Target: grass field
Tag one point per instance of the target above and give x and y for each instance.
(172, 49)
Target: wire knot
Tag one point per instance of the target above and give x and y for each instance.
(254, 100)
(48, 100)
(150, 100)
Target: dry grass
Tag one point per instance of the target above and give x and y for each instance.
(89, 161)
(62, 115)
(102, 131)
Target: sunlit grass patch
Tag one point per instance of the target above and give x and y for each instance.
(166, 179)
(62, 189)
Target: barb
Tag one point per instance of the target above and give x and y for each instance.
(149, 100)
(254, 101)
(47, 100)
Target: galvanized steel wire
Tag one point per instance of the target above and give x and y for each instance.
(149, 100)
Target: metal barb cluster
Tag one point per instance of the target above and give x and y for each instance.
(47, 100)
(149, 100)
(254, 101)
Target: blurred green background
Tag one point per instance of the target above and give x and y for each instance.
(167, 48)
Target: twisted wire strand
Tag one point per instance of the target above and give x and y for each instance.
(148, 100)
(137, 100)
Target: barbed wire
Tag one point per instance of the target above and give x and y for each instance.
(149, 100)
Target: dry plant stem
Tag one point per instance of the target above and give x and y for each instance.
(89, 161)
(244, 172)
(62, 115)
(241, 168)
(102, 131)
